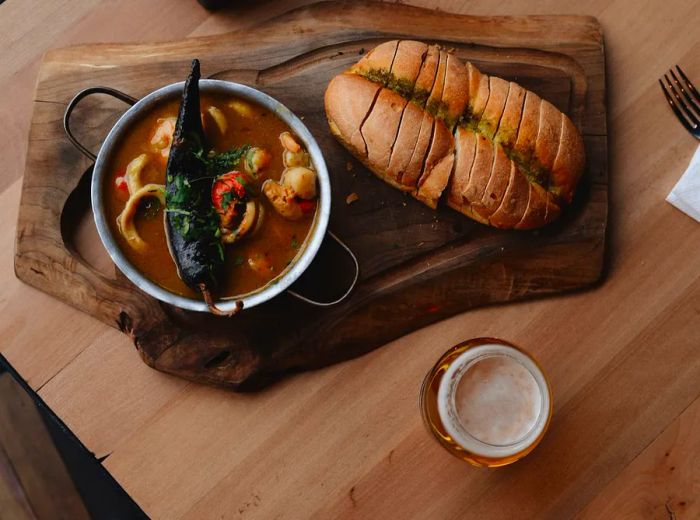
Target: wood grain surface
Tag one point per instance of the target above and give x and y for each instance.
(34, 481)
(417, 266)
(347, 440)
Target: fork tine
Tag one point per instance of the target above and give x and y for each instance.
(689, 84)
(685, 94)
(686, 109)
(675, 109)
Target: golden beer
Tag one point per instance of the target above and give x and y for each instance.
(487, 402)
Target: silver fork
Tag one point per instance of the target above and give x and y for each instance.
(681, 106)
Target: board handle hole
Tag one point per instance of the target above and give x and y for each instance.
(78, 229)
(217, 360)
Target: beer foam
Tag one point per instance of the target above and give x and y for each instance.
(497, 400)
(493, 400)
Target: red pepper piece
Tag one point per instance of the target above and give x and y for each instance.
(307, 206)
(121, 186)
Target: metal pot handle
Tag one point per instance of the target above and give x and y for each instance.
(74, 102)
(349, 290)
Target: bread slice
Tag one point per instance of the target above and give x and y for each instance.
(493, 111)
(346, 120)
(529, 126)
(481, 171)
(510, 120)
(568, 164)
(406, 67)
(413, 171)
(515, 200)
(455, 95)
(547, 142)
(435, 99)
(426, 76)
(465, 153)
(405, 145)
(438, 166)
(478, 92)
(380, 130)
(536, 210)
(497, 185)
(376, 64)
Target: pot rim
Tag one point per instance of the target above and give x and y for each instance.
(309, 247)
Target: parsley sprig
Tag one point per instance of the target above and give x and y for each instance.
(220, 163)
(182, 202)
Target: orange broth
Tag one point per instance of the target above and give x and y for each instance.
(278, 240)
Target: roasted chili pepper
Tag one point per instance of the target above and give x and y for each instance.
(191, 220)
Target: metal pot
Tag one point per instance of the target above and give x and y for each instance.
(136, 112)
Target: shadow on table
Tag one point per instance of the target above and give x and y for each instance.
(44, 468)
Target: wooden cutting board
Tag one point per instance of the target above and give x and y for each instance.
(417, 266)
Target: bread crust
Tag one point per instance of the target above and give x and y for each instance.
(493, 111)
(412, 173)
(405, 144)
(568, 164)
(426, 76)
(378, 59)
(406, 66)
(438, 166)
(515, 200)
(381, 127)
(553, 209)
(435, 99)
(529, 126)
(478, 91)
(481, 170)
(536, 210)
(497, 185)
(410, 123)
(547, 142)
(346, 120)
(465, 153)
(455, 94)
(510, 120)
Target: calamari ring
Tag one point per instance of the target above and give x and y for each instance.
(250, 217)
(133, 173)
(125, 220)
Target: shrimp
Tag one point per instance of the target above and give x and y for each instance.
(256, 160)
(162, 137)
(283, 199)
(301, 180)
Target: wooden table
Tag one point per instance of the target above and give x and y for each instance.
(623, 359)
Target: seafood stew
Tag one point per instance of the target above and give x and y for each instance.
(253, 181)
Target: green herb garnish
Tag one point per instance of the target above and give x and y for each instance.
(220, 163)
(191, 224)
(227, 199)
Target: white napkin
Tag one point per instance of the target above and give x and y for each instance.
(685, 195)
